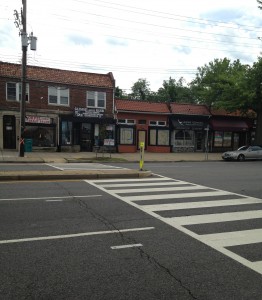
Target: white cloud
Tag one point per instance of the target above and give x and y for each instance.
(140, 39)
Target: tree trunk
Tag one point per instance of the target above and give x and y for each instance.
(258, 137)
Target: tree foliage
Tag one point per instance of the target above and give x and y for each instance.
(141, 90)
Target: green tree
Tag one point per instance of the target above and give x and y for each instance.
(175, 91)
(120, 94)
(141, 89)
(232, 86)
(260, 4)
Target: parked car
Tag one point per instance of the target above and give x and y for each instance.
(243, 153)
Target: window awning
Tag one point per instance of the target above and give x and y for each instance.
(229, 125)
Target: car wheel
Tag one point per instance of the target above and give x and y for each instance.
(241, 157)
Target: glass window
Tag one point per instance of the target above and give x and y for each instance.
(58, 95)
(222, 139)
(67, 133)
(142, 122)
(152, 137)
(41, 136)
(152, 122)
(158, 137)
(163, 137)
(14, 91)
(127, 136)
(96, 99)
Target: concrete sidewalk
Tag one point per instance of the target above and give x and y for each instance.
(8, 157)
(65, 157)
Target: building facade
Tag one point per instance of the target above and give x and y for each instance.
(188, 125)
(65, 110)
(140, 121)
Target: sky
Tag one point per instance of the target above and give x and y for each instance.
(148, 39)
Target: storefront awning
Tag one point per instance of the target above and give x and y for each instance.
(229, 125)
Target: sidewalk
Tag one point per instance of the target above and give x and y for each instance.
(65, 157)
(7, 157)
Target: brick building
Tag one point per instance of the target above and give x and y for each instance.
(65, 110)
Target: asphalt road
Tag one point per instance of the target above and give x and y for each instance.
(86, 240)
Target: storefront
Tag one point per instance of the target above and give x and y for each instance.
(228, 133)
(85, 129)
(41, 130)
(188, 133)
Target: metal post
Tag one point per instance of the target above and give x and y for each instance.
(23, 82)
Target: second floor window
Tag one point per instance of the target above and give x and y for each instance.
(58, 96)
(14, 91)
(96, 100)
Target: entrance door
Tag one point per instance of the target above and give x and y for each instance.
(86, 137)
(9, 132)
(199, 141)
(141, 137)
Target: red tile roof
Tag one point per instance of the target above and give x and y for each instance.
(141, 106)
(58, 76)
(189, 109)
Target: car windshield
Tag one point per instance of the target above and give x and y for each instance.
(243, 148)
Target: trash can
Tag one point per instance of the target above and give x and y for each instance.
(28, 145)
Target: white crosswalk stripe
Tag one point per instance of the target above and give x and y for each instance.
(193, 207)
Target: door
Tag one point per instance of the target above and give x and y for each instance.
(86, 137)
(141, 137)
(199, 141)
(9, 132)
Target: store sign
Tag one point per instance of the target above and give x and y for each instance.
(188, 124)
(88, 112)
(109, 142)
(37, 120)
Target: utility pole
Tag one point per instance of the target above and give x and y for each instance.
(25, 40)
(23, 81)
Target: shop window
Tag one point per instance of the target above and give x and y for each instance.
(14, 91)
(184, 138)
(42, 136)
(157, 123)
(58, 96)
(96, 99)
(126, 121)
(222, 139)
(158, 137)
(67, 133)
(126, 136)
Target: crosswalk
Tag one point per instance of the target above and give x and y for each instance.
(222, 220)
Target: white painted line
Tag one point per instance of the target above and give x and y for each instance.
(67, 236)
(214, 218)
(257, 265)
(58, 200)
(125, 246)
(175, 196)
(46, 198)
(156, 189)
(233, 238)
(128, 180)
(144, 184)
(55, 167)
(189, 205)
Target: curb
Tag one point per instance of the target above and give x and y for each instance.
(29, 176)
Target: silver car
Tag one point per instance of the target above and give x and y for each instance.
(243, 153)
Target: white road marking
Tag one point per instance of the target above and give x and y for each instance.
(234, 238)
(58, 200)
(82, 166)
(46, 198)
(173, 196)
(67, 236)
(143, 184)
(155, 189)
(125, 246)
(189, 205)
(177, 222)
(132, 180)
(214, 218)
